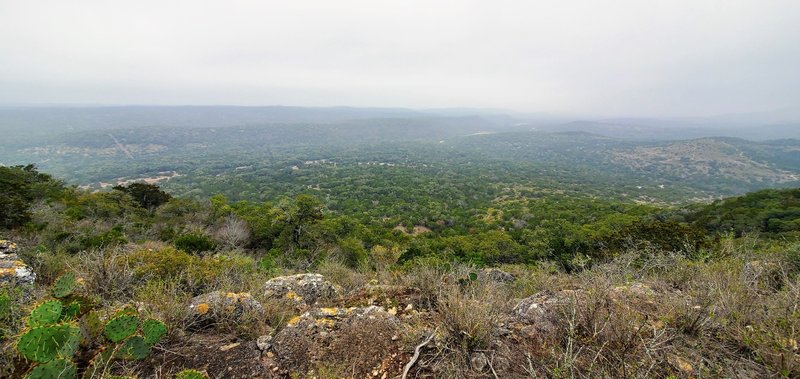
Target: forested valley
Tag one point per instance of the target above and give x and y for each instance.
(302, 248)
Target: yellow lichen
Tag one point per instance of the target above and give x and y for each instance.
(329, 311)
(202, 308)
(293, 321)
(8, 271)
(291, 295)
(325, 322)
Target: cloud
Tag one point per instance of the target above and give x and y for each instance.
(608, 58)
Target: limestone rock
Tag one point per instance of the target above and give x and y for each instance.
(541, 306)
(264, 342)
(478, 361)
(12, 269)
(402, 298)
(540, 314)
(7, 247)
(497, 275)
(305, 289)
(683, 365)
(330, 335)
(224, 304)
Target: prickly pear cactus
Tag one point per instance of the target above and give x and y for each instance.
(91, 326)
(127, 311)
(46, 313)
(153, 330)
(46, 343)
(97, 366)
(64, 285)
(59, 368)
(134, 348)
(121, 327)
(190, 374)
(71, 311)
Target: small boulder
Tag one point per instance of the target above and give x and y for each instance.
(539, 314)
(478, 361)
(224, 304)
(8, 247)
(264, 342)
(12, 269)
(541, 306)
(497, 275)
(303, 289)
(680, 363)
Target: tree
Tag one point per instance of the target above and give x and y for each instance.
(149, 196)
(20, 186)
(233, 233)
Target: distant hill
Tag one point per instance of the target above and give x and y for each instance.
(770, 212)
(654, 130)
(716, 157)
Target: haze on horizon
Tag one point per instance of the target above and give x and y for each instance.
(612, 58)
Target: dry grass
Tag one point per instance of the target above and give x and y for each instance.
(643, 314)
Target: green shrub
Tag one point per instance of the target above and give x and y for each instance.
(114, 236)
(195, 242)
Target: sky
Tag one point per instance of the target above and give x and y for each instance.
(612, 58)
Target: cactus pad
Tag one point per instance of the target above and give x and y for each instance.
(59, 368)
(190, 374)
(121, 327)
(127, 311)
(64, 285)
(71, 311)
(134, 348)
(153, 330)
(45, 313)
(45, 343)
(91, 326)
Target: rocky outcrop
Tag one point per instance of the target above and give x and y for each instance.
(396, 299)
(363, 338)
(218, 304)
(302, 289)
(12, 269)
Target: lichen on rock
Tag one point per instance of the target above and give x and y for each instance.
(329, 335)
(303, 289)
(12, 269)
(224, 304)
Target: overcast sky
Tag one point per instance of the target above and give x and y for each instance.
(614, 58)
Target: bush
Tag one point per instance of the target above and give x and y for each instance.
(111, 237)
(195, 242)
(148, 196)
(194, 274)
